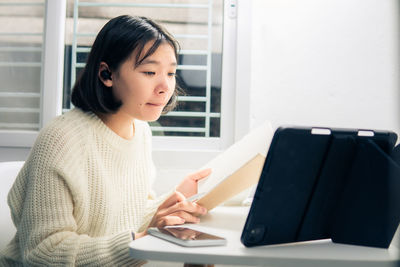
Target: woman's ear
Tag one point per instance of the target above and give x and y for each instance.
(105, 75)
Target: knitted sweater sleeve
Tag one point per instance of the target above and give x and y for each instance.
(153, 201)
(44, 207)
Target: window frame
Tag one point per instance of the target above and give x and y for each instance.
(235, 104)
(234, 88)
(51, 75)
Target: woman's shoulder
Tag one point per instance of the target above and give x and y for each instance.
(65, 131)
(60, 143)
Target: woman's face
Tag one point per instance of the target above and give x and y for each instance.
(146, 89)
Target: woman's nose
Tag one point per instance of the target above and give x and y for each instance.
(163, 85)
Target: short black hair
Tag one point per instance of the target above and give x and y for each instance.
(114, 44)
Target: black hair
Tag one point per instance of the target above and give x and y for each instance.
(114, 44)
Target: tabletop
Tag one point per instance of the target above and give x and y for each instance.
(229, 221)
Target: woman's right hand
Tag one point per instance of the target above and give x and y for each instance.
(177, 210)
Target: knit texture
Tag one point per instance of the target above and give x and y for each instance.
(79, 195)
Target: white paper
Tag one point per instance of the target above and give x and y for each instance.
(233, 158)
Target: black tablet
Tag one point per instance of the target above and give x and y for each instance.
(302, 181)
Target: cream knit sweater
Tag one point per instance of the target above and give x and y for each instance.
(79, 195)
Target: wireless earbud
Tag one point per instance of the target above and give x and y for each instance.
(105, 74)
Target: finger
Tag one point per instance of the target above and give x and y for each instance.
(169, 220)
(200, 174)
(176, 197)
(202, 209)
(185, 206)
(198, 210)
(187, 217)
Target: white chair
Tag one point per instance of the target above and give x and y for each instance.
(8, 172)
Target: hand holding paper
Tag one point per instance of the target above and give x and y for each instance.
(188, 186)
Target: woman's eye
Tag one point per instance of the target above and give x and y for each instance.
(171, 74)
(149, 73)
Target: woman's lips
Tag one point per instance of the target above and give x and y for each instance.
(155, 104)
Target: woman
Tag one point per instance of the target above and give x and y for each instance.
(84, 192)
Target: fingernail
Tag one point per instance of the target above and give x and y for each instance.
(204, 210)
(197, 220)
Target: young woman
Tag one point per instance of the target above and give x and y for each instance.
(84, 192)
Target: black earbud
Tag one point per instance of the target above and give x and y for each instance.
(105, 74)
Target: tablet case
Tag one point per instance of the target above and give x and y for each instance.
(339, 185)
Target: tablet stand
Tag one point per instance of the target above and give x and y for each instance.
(339, 186)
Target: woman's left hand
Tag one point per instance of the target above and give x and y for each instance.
(188, 186)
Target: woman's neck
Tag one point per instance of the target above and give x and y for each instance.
(120, 123)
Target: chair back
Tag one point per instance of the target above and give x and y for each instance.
(8, 172)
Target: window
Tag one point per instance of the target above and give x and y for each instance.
(32, 46)
(204, 117)
(21, 45)
(197, 24)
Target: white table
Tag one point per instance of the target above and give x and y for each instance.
(228, 222)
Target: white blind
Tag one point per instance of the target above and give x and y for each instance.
(21, 39)
(197, 24)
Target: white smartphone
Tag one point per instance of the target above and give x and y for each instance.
(187, 237)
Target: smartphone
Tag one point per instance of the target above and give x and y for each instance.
(187, 237)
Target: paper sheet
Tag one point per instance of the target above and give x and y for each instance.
(251, 148)
(246, 176)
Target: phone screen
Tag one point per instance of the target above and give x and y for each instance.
(188, 234)
(187, 237)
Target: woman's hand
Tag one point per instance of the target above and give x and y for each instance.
(188, 186)
(176, 210)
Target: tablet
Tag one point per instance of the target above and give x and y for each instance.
(303, 176)
(187, 237)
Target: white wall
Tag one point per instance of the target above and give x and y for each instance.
(328, 63)
(323, 63)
